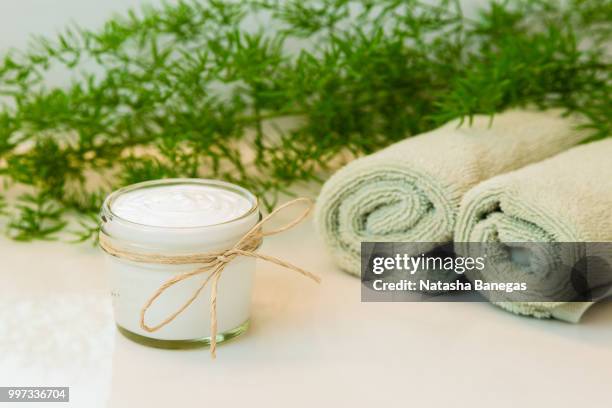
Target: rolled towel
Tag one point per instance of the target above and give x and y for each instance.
(567, 198)
(411, 190)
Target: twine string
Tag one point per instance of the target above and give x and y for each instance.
(212, 263)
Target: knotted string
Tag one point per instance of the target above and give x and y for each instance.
(213, 263)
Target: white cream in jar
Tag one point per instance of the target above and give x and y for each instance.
(179, 217)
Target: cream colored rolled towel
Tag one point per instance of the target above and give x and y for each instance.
(411, 190)
(567, 198)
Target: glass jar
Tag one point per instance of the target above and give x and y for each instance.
(133, 283)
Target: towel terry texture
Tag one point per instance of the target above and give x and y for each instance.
(567, 198)
(411, 190)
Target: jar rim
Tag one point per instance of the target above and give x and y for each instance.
(108, 201)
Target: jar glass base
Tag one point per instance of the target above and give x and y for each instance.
(184, 344)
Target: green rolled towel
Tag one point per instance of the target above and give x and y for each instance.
(567, 198)
(411, 190)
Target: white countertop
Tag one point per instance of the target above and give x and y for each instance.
(308, 344)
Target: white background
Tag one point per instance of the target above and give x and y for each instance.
(20, 18)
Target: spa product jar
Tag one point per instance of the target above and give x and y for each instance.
(178, 217)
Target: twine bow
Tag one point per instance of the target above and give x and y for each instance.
(213, 263)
